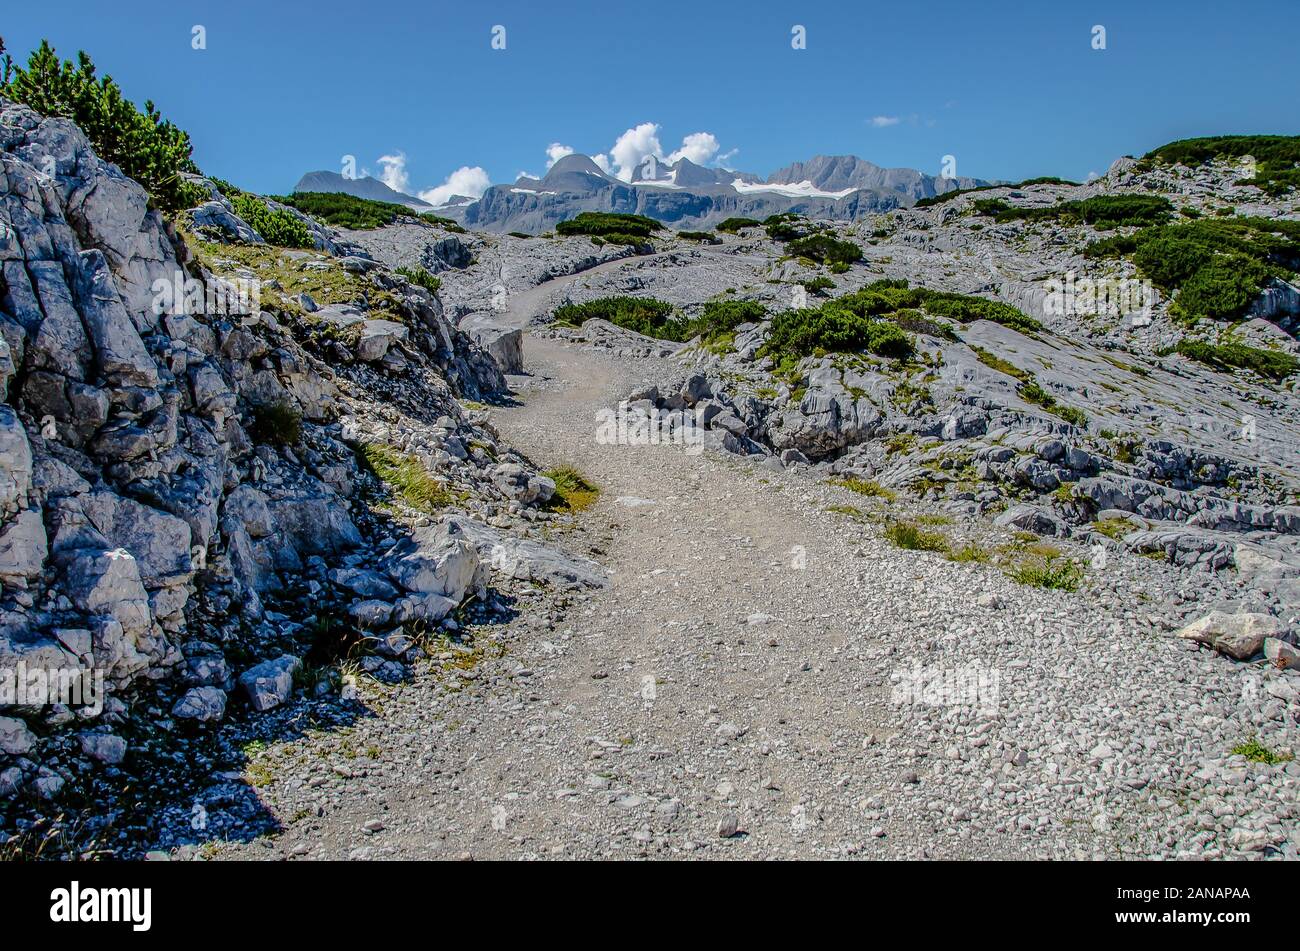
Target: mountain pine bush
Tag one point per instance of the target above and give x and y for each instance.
(143, 145)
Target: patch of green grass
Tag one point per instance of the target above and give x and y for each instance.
(1049, 571)
(278, 423)
(413, 483)
(1257, 752)
(421, 278)
(850, 510)
(1271, 364)
(994, 362)
(1115, 528)
(971, 553)
(910, 536)
(934, 519)
(1031, 392)
(900, 443)
(573, 491)
(866, 487)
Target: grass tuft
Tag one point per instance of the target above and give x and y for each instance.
(866, 487)
(573, 491)
(407, 475)
(1257, 752)
(912, 537)
(1047, 571)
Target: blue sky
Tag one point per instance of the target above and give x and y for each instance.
(1010, 89)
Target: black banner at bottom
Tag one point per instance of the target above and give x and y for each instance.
(195, 901)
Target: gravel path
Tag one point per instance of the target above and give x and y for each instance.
(764, 665)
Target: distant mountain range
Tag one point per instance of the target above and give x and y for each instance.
(682, 194)
(365, 187)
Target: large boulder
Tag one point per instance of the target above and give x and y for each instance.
(15, 460)
(440, 560)
(159, 542)
(505, 345)
(528, 560)
(270, 683)
(1238, 635)
(23, 547)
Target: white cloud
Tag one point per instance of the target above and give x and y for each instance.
(634, 146)
(699, 147)
(555, 151)
(881, 122)
(464, 181)
(641, 142)
(392, 172)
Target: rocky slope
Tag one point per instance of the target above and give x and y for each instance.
(192, 441)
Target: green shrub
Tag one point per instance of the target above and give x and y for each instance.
(913, 322)
(808, 332)
(965, 308)
(447, 224)
(420, 277)
(278, 423)
(957, 192)
(824, 249)
(341, 210)
(1271, 364)
(143, 145)
(721, 316)
(734, 225)
(876, 319)
(1214, 267)
(706, 236)
(816, 285)
(275, 225)
(1100, 211)
(614, 228)
(1276, 156)
(947, 196)
(644, 315)
(784, 227)
(518, 234)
